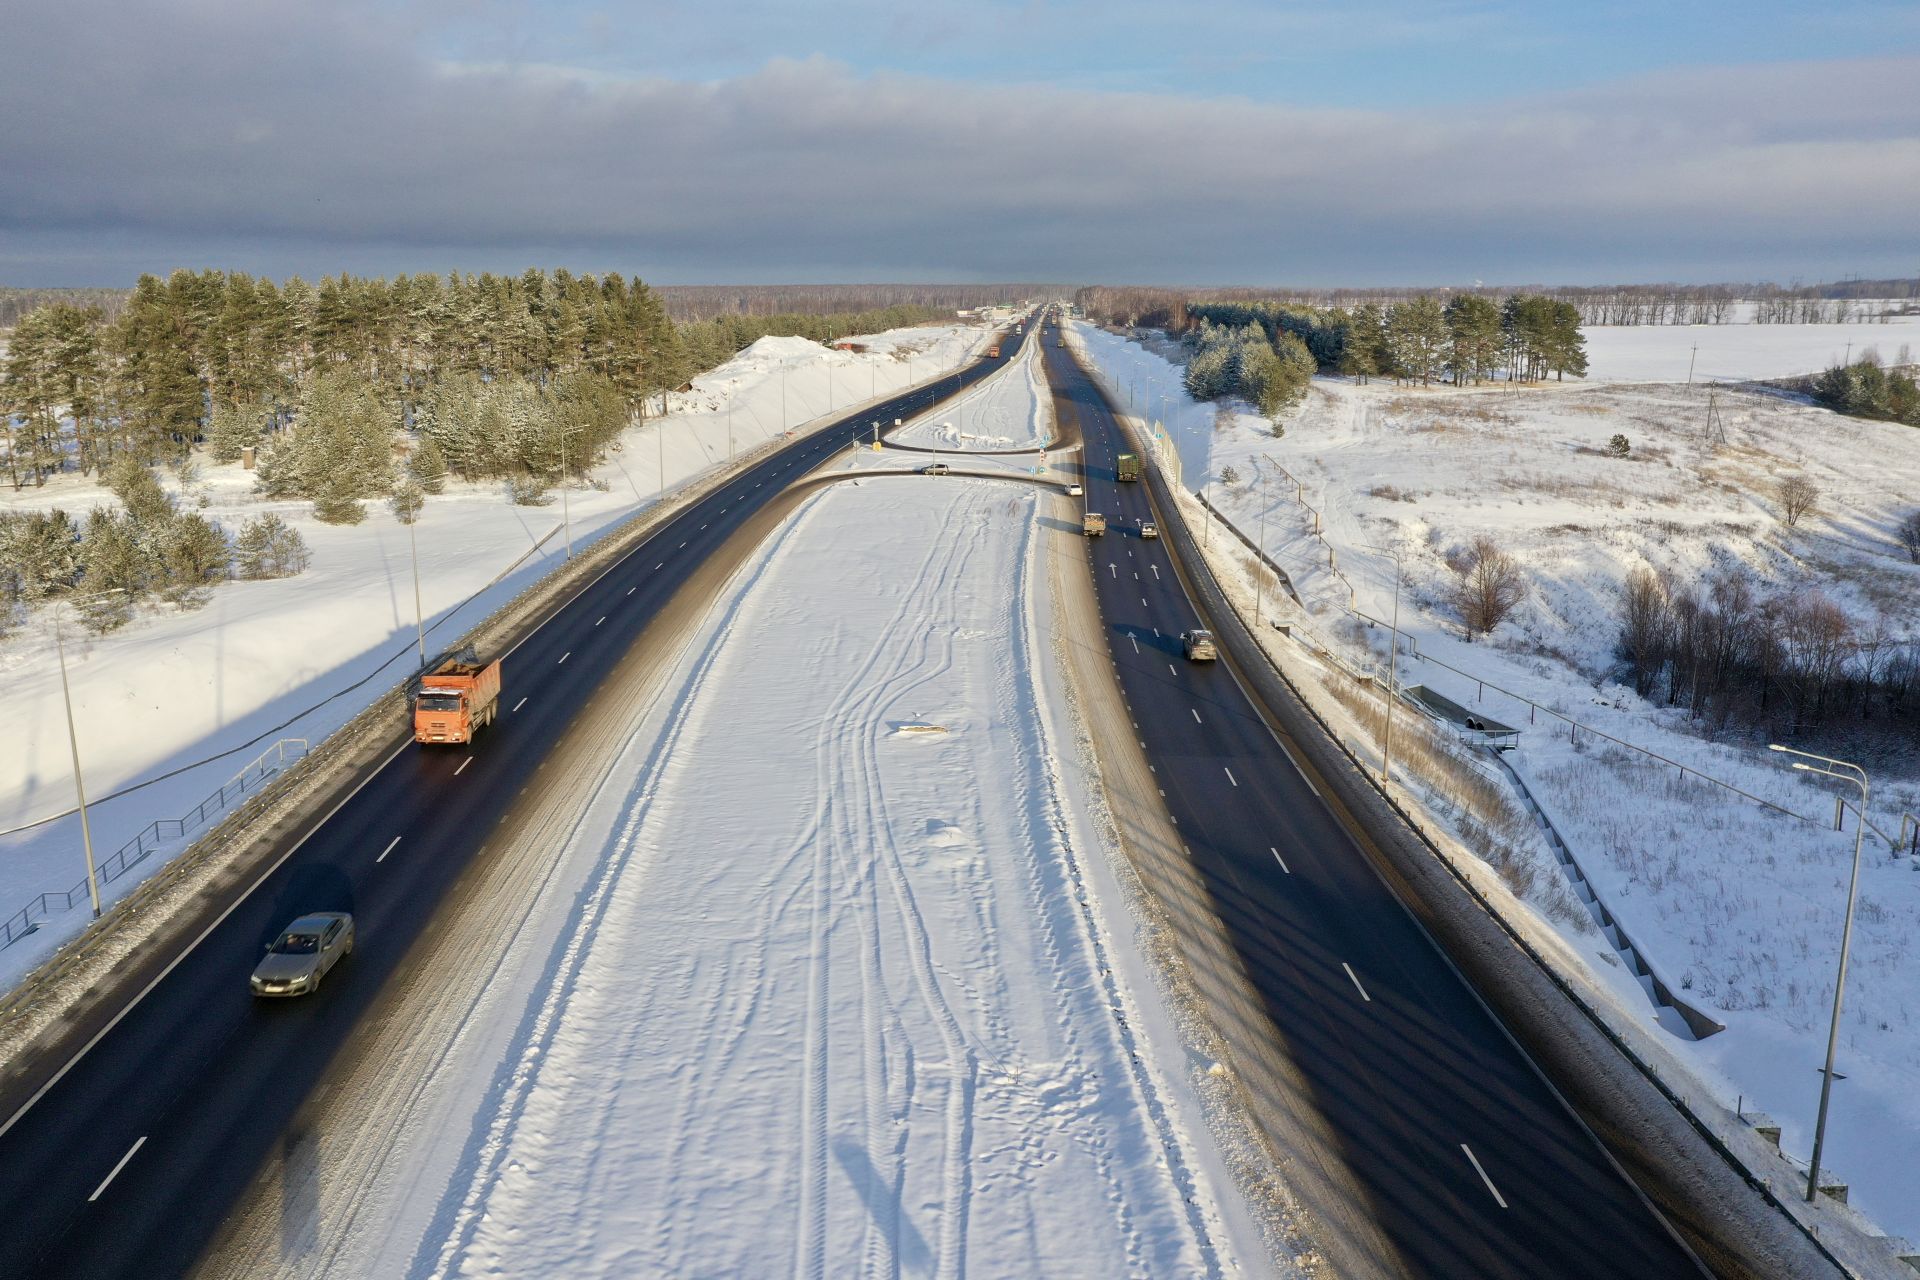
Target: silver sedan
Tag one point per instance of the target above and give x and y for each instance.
(304, 952)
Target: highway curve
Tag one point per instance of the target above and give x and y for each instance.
(1466, 1161)
(124, 1160)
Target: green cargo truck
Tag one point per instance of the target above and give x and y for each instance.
(1127, 467)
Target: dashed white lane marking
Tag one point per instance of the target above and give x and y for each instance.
(1229, 773)
(564, 657)
(1356, 982)
(389, 849)
(1277, 858)
(1171, 671)
(683, 544)
(1134, 643)
(663, 563)
(518, 705)
(123, 1164)
(631, 590)
(1196, 716)
(1143, 600)
(1493, 1190)
(1156, 633)
(463, 766)
(603, 618)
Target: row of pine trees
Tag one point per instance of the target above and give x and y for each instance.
(353, 390)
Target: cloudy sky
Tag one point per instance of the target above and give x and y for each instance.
(1240, 141)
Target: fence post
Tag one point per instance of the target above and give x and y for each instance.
(1839, 814)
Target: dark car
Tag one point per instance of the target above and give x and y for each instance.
(935, 469)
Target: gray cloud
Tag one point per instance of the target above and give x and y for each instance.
(282, 137)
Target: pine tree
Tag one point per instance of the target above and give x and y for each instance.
(406, 501)
(1417, 336)
(112, 555)
(193, 555)
(427, 466)
(269, 547)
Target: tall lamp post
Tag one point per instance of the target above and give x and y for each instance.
(1858, 777)
(419, 616)
(1393, 669)
(73, 745)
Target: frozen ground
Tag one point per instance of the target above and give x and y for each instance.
(998, 414)
(835, 1006)
(1736, 352)
(1738, 906)
(173, 688)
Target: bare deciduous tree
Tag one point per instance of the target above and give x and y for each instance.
(1491, 586)
(1908, 532)
(1798, 497)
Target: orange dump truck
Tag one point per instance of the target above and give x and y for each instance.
(456, 700)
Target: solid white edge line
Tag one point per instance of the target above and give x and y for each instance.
(188, 950)
(1356, 982)
(123, 1164)
(463, 766)
(389, 849)
(1497, 1197)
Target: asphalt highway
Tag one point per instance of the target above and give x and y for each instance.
(1471, 1165)
(123, 1162)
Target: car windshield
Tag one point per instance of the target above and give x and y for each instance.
(439, 702)
(297, 944)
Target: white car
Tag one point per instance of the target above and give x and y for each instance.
(1074, 491)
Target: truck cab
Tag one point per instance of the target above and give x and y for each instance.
(1093, 524)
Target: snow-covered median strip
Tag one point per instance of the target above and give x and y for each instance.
(835, 1005)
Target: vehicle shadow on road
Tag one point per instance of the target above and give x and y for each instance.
(883, 1205)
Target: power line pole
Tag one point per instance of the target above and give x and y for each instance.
(79, 787)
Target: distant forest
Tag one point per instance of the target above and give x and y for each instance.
(1847, 301)
(690, 302)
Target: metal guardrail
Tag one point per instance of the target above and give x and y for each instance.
(155, 835)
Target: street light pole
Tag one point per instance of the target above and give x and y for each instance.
(1393, 673)
(419, 617)
(79, 787)
(566, 511)
(1858, 777)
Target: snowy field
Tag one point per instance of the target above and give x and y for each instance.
(1738, 906)
(284, 659)
(1001, 413)
(837, 1007)
(1738, 352)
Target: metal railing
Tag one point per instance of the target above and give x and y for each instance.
(155, 835)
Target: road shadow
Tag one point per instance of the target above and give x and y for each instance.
(883, 1206)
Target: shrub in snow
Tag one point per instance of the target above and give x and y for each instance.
(269, 547)
(527, 490)
(1229, 476)
(1619, 447)
(1798, 497)
(1490, 586)
(1908, 532)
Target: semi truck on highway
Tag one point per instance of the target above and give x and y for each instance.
(1093, 524)
(456, 700)
(1127, 467)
